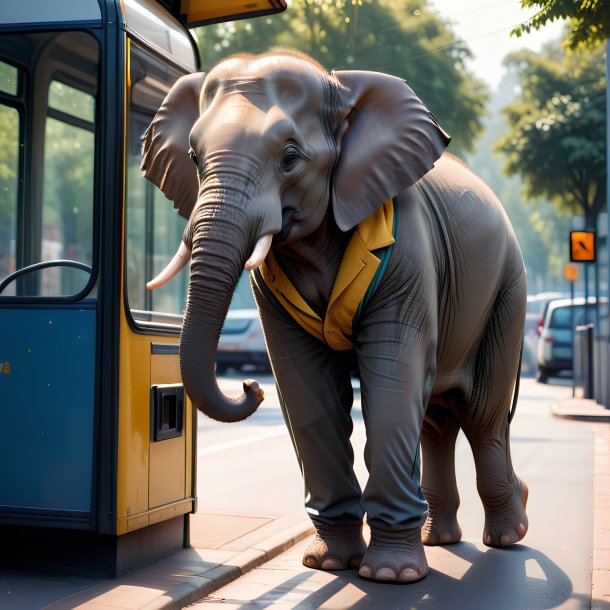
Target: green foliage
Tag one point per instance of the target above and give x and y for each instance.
(589, 19)
(402, 37)
(9, 156)
(9, 159)
(557, 126)
(536, 224)
(68, 188)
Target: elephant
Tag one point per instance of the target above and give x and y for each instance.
(369, 246)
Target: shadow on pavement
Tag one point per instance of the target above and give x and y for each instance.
(488, 579)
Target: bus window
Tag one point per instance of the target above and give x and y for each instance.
(48, 88)
(153, 228)
(9, 173)
(67, 192)
(8, 78)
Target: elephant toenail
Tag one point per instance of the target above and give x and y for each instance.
(310, 562)
(385, 574)
(355, 561)
(365, 571)
(410, 575)
(506, 540)
(331, 563)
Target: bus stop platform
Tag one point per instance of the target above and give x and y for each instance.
(225, 547)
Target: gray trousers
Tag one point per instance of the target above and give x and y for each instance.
(316, 396)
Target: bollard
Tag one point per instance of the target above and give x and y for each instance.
(582, 355)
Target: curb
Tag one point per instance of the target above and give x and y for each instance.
(580, 409)
(201, 585)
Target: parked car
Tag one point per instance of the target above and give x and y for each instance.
(556, 330)
(536, 305)
(242, 343)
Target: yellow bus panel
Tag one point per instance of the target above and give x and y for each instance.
(200, 12)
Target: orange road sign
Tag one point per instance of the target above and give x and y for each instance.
(570, 272)
(582, 246)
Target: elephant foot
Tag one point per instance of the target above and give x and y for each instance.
(441, 528)
(335, 547)
(397, 557)
(505, 518)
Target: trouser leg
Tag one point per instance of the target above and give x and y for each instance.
(316, 396)
(393, 398)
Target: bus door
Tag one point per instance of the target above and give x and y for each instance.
(49, 197)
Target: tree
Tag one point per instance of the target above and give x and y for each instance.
(589, 19)
(557, 128)
(9, 183)
(536, 224)
(402, 37)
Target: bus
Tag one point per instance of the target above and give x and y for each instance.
(97, 440)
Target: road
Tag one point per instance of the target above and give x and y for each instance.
(250, 469)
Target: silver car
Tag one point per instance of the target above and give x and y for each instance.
(242, 343)
(536, 306)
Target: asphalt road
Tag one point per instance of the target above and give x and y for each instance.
(250, 469)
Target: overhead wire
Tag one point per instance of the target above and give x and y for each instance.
(456, 43)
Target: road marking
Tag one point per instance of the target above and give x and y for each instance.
(238, 442)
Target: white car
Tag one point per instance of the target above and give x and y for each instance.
(242, 343)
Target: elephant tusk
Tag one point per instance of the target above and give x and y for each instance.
(259, 254)
(174, 267)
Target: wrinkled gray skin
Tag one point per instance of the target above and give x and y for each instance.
(285, 150)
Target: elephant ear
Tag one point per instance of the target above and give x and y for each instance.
(391, 141)
(165, 151)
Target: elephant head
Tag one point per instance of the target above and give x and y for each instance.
(258, 152)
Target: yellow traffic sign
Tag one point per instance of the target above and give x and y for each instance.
(582, 246)
(570, 272)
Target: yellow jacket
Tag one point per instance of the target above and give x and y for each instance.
(359, 275)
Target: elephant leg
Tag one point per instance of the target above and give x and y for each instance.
(314, 386)
(394, 382)
(484, 419)
(438, 438)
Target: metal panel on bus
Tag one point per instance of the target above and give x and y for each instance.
(47, 377)
(38, 12)
(155, 465)
(150, 22)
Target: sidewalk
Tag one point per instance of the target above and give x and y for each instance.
(224, 547)
(582, 409)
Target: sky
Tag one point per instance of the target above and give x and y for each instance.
(485, 25)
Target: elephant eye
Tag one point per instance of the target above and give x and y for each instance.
(289, 157)
(193, 156)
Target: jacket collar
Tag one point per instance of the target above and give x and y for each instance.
(356, 272)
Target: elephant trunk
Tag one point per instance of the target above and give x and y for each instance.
(219, 249)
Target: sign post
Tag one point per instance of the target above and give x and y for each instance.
(582, 250)
(570, 273)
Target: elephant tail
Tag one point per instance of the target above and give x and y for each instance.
(517, 381)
